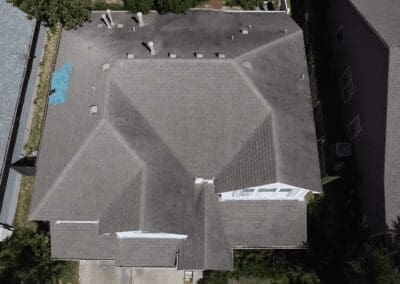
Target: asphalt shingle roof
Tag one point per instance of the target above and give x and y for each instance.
(245, 120)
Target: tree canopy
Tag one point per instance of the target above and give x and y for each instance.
(70, 13)
(25, 258)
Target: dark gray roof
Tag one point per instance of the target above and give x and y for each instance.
(264, 223)
(16, 34)
(383, 16)
(245, 120)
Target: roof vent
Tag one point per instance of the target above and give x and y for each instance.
(199, 55)
(150, 45)
(247, 65)
(139, 16)
(105, 67)
(120, 26)
(172, 55)
(133, 29)
(131, 56)
(109, 17)
(244, 31)
(104, 18)
(221, 55)
(92, 109)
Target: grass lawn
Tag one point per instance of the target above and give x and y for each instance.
(71, 271)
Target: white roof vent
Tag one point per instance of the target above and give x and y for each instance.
(247, 65)
(244, 31)
(120, 26)
(172, 55)
(131, 56)
(150, 45)
(221, 55)
(105, 67)
(92, 109)
(108, 24)
(109, 17)
(133, 29)
(199, 55)
(139, 16)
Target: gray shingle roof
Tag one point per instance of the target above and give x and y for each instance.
(163, 122)
(16, 34)
(383, 16)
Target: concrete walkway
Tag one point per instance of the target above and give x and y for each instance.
(105, 272)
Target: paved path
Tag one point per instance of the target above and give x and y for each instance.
(105, 272)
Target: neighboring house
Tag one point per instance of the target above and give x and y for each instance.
(17, 49)
(177, 158)
(366, 38)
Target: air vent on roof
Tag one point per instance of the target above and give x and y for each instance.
(131, 56)
(171, 55)
(92, 109)
(110, 17)
(247, 65)
(199, 55)
(133, 29)
(120, 26)
(150, 45)
(105, 67)
(139, 16)
(108, 24)
(244, 31)
(221, 55)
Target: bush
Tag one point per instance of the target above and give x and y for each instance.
(25, 258)
(176, 6)
(102, 5)
(139, 5)
(70, 13)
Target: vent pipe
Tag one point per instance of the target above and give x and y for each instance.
(109, 16)
(104, 17)
(139, 16)
(150, 44)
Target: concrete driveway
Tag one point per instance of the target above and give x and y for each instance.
(105, 272)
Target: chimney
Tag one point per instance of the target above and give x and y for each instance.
(104, 17)
(109, 16)
(150, 44)
(139, 16)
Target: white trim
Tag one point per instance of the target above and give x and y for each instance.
(58, 222)
(272, 191)
(203, 180)
(141, 235)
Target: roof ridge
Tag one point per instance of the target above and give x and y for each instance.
(267, 45)
(81, 148)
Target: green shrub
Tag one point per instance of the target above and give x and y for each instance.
(102, 5)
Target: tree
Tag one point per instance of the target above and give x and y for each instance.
(143, 6)
(70, 13)
(25, 258)
(176, 6)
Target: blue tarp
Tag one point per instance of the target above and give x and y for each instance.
(59, 85)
